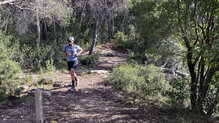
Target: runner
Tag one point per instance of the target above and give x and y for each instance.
(72, 51)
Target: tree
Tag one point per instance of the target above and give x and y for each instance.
(25, 13)
(196, 24)
(152, 31)
(100, 10)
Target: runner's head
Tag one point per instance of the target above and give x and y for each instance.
(70, 39)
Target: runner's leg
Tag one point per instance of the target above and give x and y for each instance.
(73, 76)
(73, 72)
(70, 67)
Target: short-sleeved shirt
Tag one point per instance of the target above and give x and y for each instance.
(73, 50)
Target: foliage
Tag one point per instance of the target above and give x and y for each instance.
(202, 55)
(150, 37)
(193, 24)
(26, 80)
(179, 92)
(92, 59)
(148, 82)
(213, 95)
(49, 12)
(50, 65)
(136, 57)
(9, 85)
(121, 38)
(29, 58)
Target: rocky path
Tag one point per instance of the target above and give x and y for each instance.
(93, 102)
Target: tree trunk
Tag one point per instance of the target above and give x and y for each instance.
(193, 95)
(201, 76)
(110, 26)
(44, 31)
(81, 17)
(54, 29)
(38, 28)
(6, 27)
(112, 22)
(194, 81)
(94, 37)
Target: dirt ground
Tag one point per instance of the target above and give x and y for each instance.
(93, 102)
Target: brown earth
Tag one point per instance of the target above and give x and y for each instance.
(94, 101)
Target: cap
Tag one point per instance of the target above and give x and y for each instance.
(70, 39)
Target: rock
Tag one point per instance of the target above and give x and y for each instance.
(108, 54)
(25, 87)
(31, 93)
(105, 76)
(59, 84)
(21, 77)
(44, 92)
(100, 71)
(46, 81)
(86, 61)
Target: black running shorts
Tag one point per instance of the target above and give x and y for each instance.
(72, 64)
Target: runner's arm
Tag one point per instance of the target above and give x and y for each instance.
(64, 53)
(79, 52)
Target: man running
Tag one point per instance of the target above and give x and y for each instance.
(72, 51)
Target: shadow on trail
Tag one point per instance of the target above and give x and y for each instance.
(90, 105)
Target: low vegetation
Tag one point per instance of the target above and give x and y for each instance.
(147, 86)
(9, 86)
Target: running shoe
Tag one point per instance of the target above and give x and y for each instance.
(72, 88)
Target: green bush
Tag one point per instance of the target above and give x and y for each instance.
(148, 82)
(136, 57)
(213, 95)
(9, 86)
(121, 37)
(121, 40)
(33, 58)
(92, 59)
(50, 65)
(179, 92)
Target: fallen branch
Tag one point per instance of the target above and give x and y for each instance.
(166, 70)
(6, 2)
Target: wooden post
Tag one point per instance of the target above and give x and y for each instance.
(38, 106)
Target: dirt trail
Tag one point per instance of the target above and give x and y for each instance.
(93, 101)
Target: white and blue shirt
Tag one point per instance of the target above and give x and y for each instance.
(73, 50)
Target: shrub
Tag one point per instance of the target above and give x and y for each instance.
(179, 91)
(50, 66)
(9, 86)
(29, 57)
(148, 82)
(121, 40)
(92, 59)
